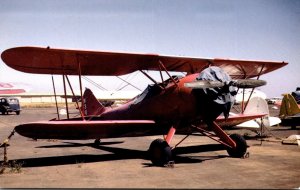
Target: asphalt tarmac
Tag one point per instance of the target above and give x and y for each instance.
(121, 163)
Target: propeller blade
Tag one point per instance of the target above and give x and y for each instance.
(240, 83)
(248, 83)
(204, 84)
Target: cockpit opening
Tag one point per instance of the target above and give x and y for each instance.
(155, 89)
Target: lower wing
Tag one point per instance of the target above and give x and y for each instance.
(76, 130)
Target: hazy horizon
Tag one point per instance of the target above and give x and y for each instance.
(251, 30)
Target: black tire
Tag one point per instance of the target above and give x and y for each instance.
(97, 142)
(160, 152)
(18, 112)
(241, 146)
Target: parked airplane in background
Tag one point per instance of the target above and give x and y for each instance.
(12, 88)
(10, 104)
(289, 111)
(259, 106)
(244, 94)
(177, 104)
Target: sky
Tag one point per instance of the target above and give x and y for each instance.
(241, 29)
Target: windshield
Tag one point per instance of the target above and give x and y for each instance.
(150, 91)
(154, 89)
(13, 101)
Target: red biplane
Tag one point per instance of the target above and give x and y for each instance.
(182, 105)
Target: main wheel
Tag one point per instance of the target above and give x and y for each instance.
(97, 142)
(241, 146)
(160, 152)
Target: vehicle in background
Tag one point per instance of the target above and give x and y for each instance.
(275, 100)
(9, 104)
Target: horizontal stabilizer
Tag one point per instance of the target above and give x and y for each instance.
(255, 123)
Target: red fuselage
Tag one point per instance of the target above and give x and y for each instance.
(171, 104)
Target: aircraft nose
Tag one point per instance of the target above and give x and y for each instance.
(220, 97)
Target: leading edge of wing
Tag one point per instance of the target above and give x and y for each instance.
(62, 61)
(75, 130)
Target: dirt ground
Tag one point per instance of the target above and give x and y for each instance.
(121, 163)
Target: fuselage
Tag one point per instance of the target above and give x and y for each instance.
(152, 112)
(172, 103)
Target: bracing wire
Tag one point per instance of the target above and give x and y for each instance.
(94, 83)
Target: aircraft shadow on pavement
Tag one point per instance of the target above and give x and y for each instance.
(73, 144)
(287, 128)
(117, 154)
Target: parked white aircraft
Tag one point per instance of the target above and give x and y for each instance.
(258, 105)
(256, 93)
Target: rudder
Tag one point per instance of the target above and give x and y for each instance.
(258, 105)
(91, 106)
(288, 106)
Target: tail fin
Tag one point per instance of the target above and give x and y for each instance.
(258, 105)
(91, 106)
(289, 106)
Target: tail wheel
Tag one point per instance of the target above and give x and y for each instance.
(160, 152)
(241, 146)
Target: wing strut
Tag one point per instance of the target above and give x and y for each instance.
(80, 110)
(55, 97)
(223, 137)
(65, 91)
(258, 76)
(151, 78)
(80, 84)
(161, 76)
(162, 65)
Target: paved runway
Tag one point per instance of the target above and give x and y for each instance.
(122, 162)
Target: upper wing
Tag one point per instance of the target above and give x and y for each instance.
(61, 61)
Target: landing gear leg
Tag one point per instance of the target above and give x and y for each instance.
(235, 143)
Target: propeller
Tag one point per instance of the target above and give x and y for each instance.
(240, 83)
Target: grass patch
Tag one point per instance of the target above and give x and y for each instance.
(46, 105)
(13, 166)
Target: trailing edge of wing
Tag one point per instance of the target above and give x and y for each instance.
(61, 61)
